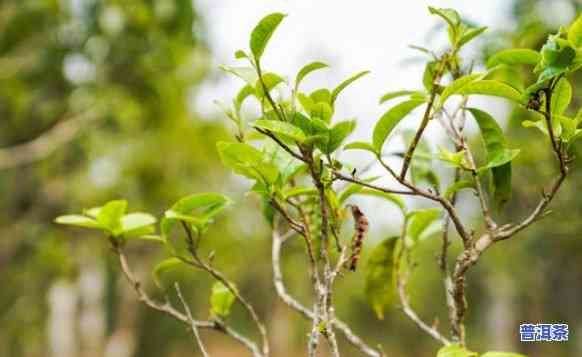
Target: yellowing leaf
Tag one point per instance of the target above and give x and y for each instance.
(379, 284)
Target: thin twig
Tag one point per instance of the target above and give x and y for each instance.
(192, 322)
(281, 290)
(401, 283)
(232, 288)
(169, 310)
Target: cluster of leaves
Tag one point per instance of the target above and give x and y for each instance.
(302, 125)
(195, 211)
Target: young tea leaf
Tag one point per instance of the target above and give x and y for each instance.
(360, 145)
(110, 216)
(346, 83)
(496, 147)
(492, 88)
(163, 267)
(221, 300)
(561, 97)
(390, 119)
(401, 93)
(247, 74)
(514, 56)
(262, 33)
(575, 32)
(338, 133)
(456, 86)
(470, 34)
(78, 220)
(313, 66)
(420, 220)
(457, 186)
(246, 160)
(137, 223)
(281, 128)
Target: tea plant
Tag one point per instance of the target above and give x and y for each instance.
(290, 155)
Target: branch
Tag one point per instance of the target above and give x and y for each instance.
(425, 119)
(352, 338)
(43, 146)
(199, 263)
(414, 191)
(401, 283)
(192, 322)
(168, 309)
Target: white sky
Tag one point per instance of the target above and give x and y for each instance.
(372, 35)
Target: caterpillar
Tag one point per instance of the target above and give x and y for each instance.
(361, 228)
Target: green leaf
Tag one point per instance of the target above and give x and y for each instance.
(221, 300)
(455, 159)
(470, 34)
(313, 66)
(306, 102)
(390, 119)
(247, 74)
(135, 224)
(163, 267)
(79, 221)
(551, 72)
(321, 110)
(561, 97)
(282, 128)
(386, 196)
(339, 133)
(321, 95)
(428, 75)
(240, 54)
(449, 15)
(455, 351)
(271, 80)
(206, 202)
(543, 127)
(150, 238)
(346, 83)
(262, 33)
(110, 216)
(360, 145)
(300, 191)
(379, 284)
(501, 354)
(420, 220)
(493, 88)
(197, 209)
(242, 95)
(245, 160)
(497, 149)
(457, 186)
(575, 32)
(401, 93)
(501, 158)
(514, 56)
(456, 86)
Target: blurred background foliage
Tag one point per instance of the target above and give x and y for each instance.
(96, 103)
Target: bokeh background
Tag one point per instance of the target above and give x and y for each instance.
(104, 99)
